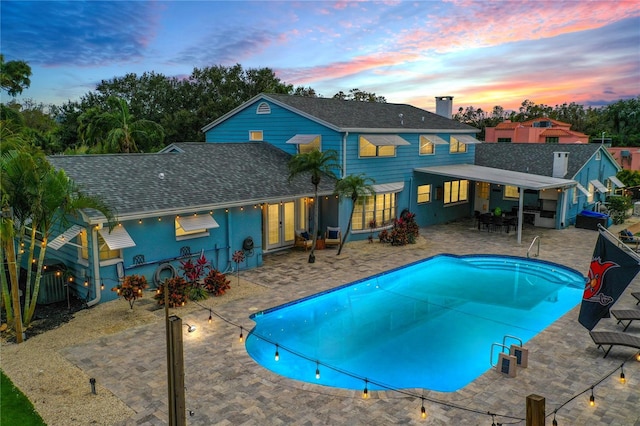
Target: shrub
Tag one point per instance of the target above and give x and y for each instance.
(405, 230)
(131, 288)
(178, 291)
(216, 283)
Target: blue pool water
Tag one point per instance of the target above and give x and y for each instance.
(428, 325)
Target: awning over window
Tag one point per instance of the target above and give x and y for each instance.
(583, 189)
(65, 237)
(194, 223)
(385, 140)
(117, 239)
(599, 186)
(466, 139)
(302, 140)
(436, 140)
(616, 182)
(387, 188)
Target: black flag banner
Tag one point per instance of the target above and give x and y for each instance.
(610, 272)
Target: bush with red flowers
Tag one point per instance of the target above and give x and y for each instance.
(131, 287)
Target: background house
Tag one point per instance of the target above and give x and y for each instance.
(538, 130)
(628, 157)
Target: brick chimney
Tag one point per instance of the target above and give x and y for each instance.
(444, 106)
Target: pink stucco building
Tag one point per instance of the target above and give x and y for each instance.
(538, 130)
(627, 156)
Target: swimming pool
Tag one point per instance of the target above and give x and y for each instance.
(430, 324)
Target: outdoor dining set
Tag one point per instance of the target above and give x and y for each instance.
(496, 223)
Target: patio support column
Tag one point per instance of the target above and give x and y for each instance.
(520, 214)
(535, 410)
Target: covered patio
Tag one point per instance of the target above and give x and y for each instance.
(524, 181)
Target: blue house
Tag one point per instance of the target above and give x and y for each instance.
(233, 193)
(190, 199)
(386, 142)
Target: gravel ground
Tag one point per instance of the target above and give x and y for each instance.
(60, 392)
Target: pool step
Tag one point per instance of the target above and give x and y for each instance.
(507, 362)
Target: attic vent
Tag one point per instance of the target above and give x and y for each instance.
(263, 108)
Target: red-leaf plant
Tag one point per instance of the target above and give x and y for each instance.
(131, 288)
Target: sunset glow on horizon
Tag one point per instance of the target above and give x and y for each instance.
(481, 52)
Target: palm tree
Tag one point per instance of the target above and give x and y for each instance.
(41, 197)
(317, 164)
(353, 187)
(117, 129)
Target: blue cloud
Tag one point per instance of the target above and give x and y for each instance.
(52, 33)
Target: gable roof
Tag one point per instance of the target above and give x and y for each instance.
(535, 158)
(187, 177)
(355, 116)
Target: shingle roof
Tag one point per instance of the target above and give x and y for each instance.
(533, 158)
(349, 115)
(204, 176)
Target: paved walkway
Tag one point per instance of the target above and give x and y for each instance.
(226, 387)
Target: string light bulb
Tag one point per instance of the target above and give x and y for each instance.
(592, 399)
(317, 370)
(277, 355)
(623, 380)
(241, 336)
(365, 392)
(423, 411)
(638, 357)
(554, 422)
(210, 318)
(101, 284)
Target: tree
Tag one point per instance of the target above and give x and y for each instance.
(118, 130)
(40, 196)
(317, 164)
(353, 187)
(359, 95)
(14, 76)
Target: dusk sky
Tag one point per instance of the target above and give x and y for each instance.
(484, 53)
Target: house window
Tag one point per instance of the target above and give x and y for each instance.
(367, 149)
(314, 145)
(598, 155)
(552, 139)
(591, 192)
(424, 194)
(511, 191)
(255, 135)
(182, 234)
(426, 146)
(263, 108)
(105, 252)
(379, 207)
(575, 195)
(505, 140)
(456, 146)
(456, 191)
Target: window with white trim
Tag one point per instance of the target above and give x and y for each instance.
(427, 147)
(575, 195)
(304, 148)
(424, 194)
(105, 252)
(511, 191)
(456, 191)
(255, 135)
(379, 207)
(455, 146)
(591, 190)
(182, 234)
(367, 149)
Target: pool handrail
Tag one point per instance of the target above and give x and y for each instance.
(493, 345)
(536, 238)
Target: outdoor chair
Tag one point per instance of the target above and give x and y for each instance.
(625, 315)
(332, 236)
(629, 239)
(303, 240)
(614, 338)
